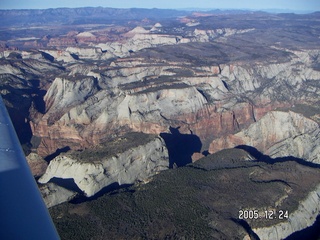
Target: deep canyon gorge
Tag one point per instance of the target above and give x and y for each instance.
(174, 119)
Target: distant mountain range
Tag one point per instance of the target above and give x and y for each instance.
(208, 115)
(100, 15)
(85, 15)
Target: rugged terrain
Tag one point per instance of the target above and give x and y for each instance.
(92, 170)
(202, 201)
(111, 97)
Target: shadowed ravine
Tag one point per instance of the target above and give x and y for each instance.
(181, 147)
(199, 200)
(90, 90)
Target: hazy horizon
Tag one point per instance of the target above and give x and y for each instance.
(287, 5)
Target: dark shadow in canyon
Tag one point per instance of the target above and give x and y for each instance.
(259, 156)
(21, 126)
(20, 101)
(205, 153)
(18, 110)
(312, 232)
(181, 147)
(113, 188)
(47, 56)
(247, 227)
(57, 153)
(38, 100)
(67, 183)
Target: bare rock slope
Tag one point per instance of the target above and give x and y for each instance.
(284, 134)
(54, 194)
(140, 95)
(305, 216)
(94, 170)
(214, 78)
(204, 200)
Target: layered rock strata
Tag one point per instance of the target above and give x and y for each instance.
(207, 198)
(53, 194)
(278, 134)
(134, 164)
(209, 101)
(37, 165)
(303, 217)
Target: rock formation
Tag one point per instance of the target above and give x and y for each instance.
(134, 164)
(149, 97)
(223, 80)
(37, 165)
(284, 134)
(204, 199)
(192, 77)
(54, 194)
(303, 217)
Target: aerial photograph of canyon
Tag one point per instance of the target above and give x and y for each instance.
(163, 119)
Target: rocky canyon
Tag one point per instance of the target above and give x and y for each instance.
(111, 104)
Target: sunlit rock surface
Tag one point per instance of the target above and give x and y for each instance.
(303, 217)
(134, 164)
(204, 199)
(37, 164)
(53, 194)
(278, 134)
(202, 81)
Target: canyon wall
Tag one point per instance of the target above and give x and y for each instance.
(211, 102)
(303, 217)
(277, 134)
(134, 164)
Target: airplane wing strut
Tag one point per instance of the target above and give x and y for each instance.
(23, 213)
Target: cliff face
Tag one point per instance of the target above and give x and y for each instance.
(303, 217)
(134, 164)
(205, 198)
(208, 79)
(37, 165)
(71, 120)
(20, 86)
(284, 134)
(53, 194)
(132, 93)
(213, 80)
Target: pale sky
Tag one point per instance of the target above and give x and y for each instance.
(296, 5)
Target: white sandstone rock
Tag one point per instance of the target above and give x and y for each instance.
(124, 168)
(53, 194)
(64, 93)
(85, 35)
(300, 219)
(60, 55)
(284, 134)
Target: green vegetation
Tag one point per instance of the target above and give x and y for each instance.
(309, 111)
(74, 226)
(199, 201)
(216, 53)
(163, 87)
(148, 81)
(227, 158)
(153, 83)
(112, 147)
(15, 55)
(182, 72)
